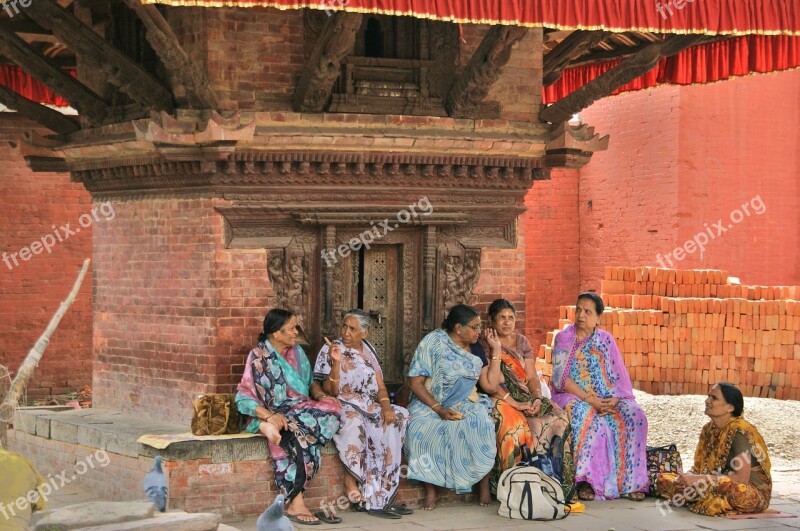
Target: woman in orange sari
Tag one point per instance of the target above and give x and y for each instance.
(731, 472)
(521, 414)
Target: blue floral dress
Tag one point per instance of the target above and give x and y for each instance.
(280, 382)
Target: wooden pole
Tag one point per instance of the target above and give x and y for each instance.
(9, 403)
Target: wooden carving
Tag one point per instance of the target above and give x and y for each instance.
(483, 69)
(322, 67)
(623, 73)
(290, 276)
(461, 271)
(87, 102)
(188, 82)
(573, 46)
(122, 72)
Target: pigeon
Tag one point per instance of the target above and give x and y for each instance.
(272, 519)
(155, 485)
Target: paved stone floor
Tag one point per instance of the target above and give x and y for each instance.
(619, 515)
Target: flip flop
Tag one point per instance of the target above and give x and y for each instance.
(325, 519)
(399, 509)
(296, 519)
(382, 513)
(635, 496)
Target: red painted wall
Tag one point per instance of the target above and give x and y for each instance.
(552, 261)
(32, 290)
(682, 158)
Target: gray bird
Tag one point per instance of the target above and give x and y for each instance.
(155, 485)
(272, 519)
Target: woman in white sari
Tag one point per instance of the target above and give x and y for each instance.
(370, 440)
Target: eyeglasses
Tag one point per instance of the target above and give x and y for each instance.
(476, 328)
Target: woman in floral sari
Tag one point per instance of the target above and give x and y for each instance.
(450, 440)
(609, 428)
(520, 413)
(274, 391)
(370, 440)
(731, 472)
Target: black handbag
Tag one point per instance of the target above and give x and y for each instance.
(661, 459)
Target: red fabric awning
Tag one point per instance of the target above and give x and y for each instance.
(19, 81)
(737, 17)
(705, 63)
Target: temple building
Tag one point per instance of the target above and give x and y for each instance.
(396, 156)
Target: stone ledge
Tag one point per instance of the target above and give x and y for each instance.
(118, 432)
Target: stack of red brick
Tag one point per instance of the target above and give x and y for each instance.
(679, 331)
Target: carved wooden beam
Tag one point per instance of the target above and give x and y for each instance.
(53, 120)
(122, 71)
(483, 69)
(623, 73)
(573, 46)
(336, 41)
(188, 82)
(84, 100)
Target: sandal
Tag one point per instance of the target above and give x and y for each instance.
(383, 513)
(399, 509)
(635, 496)
(296, 519)
(586, 492)
(325, 519)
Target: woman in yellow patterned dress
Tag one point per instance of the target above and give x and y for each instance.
(731, 465)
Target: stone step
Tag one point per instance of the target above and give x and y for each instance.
(92, 514)
(174, 521)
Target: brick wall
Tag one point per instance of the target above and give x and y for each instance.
(155, 306)
(251, 56)
(682, 158)
(552, 261)
(31, 292)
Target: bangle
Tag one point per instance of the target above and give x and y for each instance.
(495, 358)
(437, 404)
(319, 396)
(265, 419)
(506, 395)
(382, 399)
(333, 379)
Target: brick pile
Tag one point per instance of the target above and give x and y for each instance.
(681, 330)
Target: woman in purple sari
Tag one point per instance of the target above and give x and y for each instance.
(609, 428)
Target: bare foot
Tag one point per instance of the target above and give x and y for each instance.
(297, 508)
(430, 497)
(485, 497)
(351, 489)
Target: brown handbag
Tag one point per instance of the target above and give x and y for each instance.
(216, 414)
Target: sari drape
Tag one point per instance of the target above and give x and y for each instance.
(370, 451)
(280, 383)
(452, 454)
(715, 455)
(550, 426)
(609, 449)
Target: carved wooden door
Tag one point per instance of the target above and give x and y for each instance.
(381, 300)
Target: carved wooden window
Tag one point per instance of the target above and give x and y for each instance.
(399, 65)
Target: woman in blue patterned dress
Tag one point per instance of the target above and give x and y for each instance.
(451, 439)
(275, 392)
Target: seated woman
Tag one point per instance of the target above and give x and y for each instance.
(520, 413)
(274, 391)
(591, 383)
(370, 440)
(450, 440)
(731, 465)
